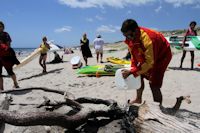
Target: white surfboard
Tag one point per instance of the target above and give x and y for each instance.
(28, 59)
(75, 60)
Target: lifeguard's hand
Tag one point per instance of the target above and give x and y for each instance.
(125, 73)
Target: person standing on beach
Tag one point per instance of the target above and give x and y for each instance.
(98, 46)
(7, 57)
(190, 32)
(43, 53)
(85, 49)
(150, 56)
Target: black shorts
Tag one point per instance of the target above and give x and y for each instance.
(8, 66)
(43, 54)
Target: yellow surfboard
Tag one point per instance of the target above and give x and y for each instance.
(118, 61)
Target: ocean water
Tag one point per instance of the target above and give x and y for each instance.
(23, 51)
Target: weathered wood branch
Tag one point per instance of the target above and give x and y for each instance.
(54, 119)
(179, 101)
(34, 88)
(51, 118)
(56, 105)
(146, 118)
(95, 101)
(152, 119)
(175, 108)
(4, 105)
(43, 118)
(77, 102)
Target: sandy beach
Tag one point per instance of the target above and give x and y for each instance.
(62, 77)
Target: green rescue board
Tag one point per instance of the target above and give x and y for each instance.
(196, 42)
(99, 69)
(192, 42)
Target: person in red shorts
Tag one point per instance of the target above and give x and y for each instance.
(150, 56)
(7, 57)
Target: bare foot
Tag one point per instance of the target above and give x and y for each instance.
(135, 101)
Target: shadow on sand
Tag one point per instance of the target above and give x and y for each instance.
(41, 74)
(56, 63)
(184, 69)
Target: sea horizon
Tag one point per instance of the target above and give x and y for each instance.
(23, 51)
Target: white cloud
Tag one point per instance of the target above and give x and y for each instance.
(10, 14)
(99, 17)
(95, 18)
(122, 3)
(89, 19)
(102, 3)
(103, 11)
(129, 12)
(108, 29)
(179, 3)
(77, 3)
(63, 29)
(158, 9)
(197, 6)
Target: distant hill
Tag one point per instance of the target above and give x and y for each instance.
(178, 32)
(120, 44)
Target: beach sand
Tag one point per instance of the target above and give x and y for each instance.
(62, 77)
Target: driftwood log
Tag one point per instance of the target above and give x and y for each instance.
(149, 117)
(73, 120)
(4, 105)
(152, 119)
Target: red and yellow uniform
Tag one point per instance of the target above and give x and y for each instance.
(150, 55)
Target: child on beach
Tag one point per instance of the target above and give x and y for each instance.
(150, 56)
(190, 32)
(7, 57)
(43, 53)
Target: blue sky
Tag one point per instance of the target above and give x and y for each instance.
(64, 21)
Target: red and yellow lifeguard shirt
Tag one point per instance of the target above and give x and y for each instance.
(150, 52)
